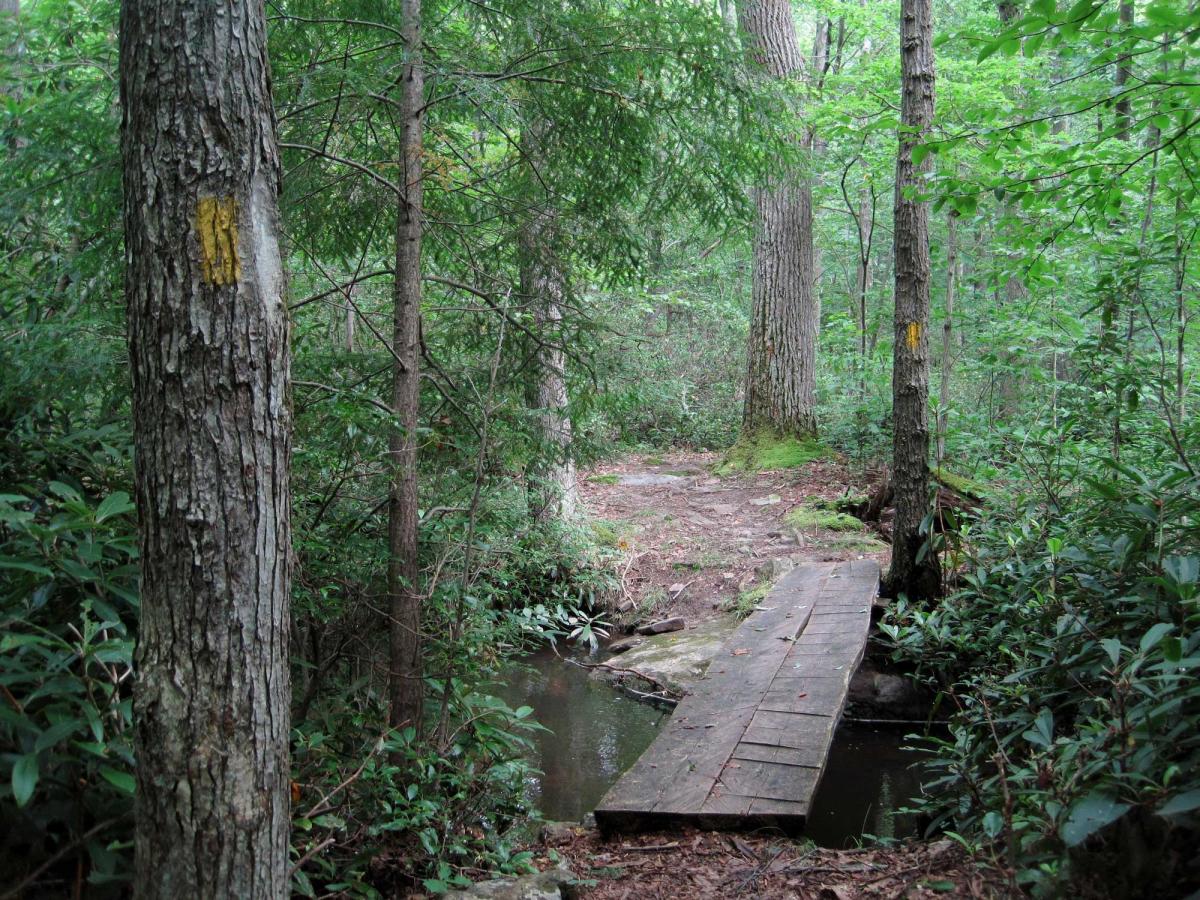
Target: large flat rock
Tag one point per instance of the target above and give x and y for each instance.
(678, 659)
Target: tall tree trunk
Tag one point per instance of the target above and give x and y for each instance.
(947, 334)
(910, 368)
(404, 598)
(208, 352)
(780, 379)
(552, 488)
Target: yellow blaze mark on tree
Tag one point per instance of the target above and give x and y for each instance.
(216, 226)
(913, 336)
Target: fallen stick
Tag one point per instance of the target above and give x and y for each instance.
(653, 847)
(626, 671)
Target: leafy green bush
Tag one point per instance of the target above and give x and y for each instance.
(383, 814)
(67, 613)
(1069, 658)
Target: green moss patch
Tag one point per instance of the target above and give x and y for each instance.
(856, 543)
(608, 534)
(604, 479)
(764, 452)
(747, 600)
(966, 486)
(822, 514)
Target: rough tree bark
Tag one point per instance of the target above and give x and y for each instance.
(552, 484)
(404, 599)
(780, 378)
(208, 352)
(910, 367)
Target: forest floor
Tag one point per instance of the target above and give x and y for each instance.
(693, 544)
(699, 864)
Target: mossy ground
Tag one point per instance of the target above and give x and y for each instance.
(610, 534)
(604, 479)
(855, 543)
(822, 514)
(765, 452)
(742, 605)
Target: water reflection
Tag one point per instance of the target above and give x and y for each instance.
(869, 776)
(595, 733)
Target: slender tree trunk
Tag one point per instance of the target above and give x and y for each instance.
(1182, 248)
(865, 225)
(910, 372)
(1124, 71)
(552, 489)
(780, 379)
(404, 599)
(728, 10)
(208, 352)
(947, 334)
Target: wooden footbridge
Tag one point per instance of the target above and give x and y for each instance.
(747, 747)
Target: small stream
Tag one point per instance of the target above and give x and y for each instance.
(596, 733)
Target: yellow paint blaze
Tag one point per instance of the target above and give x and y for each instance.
(912, 336)
(216, 226)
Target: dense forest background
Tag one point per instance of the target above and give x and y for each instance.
(609, 149)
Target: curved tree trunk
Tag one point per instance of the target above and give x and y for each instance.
(404, 599)
(780, 378)
(208, 352)
(918, 578)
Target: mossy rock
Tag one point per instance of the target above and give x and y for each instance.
(850, 503)
(604, 479)
(764, 452)
(818, 514)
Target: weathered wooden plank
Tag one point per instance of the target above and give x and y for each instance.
(748, 745)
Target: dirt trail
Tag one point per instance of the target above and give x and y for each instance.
(679, 524)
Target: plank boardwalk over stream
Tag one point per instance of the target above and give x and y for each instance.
(747, 747)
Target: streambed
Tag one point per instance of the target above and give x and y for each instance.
(596, 733)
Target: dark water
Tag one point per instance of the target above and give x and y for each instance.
(868, 776)
(597, 733)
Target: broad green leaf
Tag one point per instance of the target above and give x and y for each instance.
(56, 733)
(1155, 634)
(24, 778)
(113, 505)
(122, 781)
(1181, 803)
(1089, 815)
